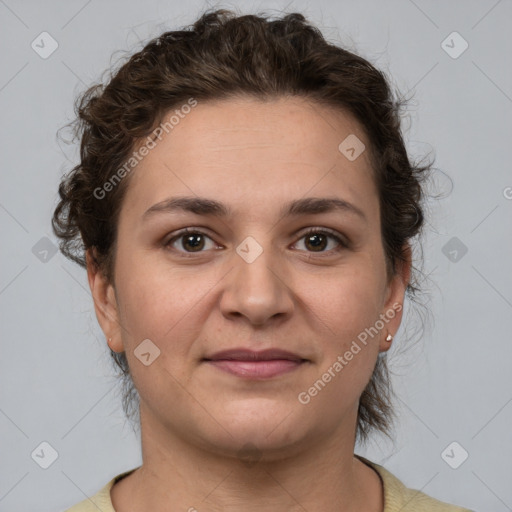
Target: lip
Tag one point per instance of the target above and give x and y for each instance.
(256, 365)
(244, 354)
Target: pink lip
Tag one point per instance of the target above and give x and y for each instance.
(256, 369)
(255, 365)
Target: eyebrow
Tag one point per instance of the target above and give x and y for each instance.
(205, 206)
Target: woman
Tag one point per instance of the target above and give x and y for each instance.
(244, 206)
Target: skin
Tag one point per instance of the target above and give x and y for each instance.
(253, 156)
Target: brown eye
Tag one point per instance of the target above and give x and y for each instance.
(317, 240)
(195, 241)
(188, 241)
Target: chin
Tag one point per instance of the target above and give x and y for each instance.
(260, 428)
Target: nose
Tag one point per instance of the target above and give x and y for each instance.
(259, 291)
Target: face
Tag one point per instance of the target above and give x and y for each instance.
(263, 267)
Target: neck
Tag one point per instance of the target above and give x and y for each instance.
(177, 475)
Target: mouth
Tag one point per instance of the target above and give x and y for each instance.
(251, 364)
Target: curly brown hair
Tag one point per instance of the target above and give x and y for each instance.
(224, 55)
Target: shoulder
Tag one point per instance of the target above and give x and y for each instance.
(397, 497)
(101, 500)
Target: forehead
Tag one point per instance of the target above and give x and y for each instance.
(245, 149)
(281, 126)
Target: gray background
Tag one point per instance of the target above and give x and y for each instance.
(452, 385)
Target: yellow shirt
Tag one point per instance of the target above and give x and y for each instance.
(397, 498)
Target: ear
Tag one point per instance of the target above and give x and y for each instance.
(395, 296)
(105, 303)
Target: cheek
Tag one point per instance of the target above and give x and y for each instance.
(163, 304)
(348, 301)
(162, 308)
(348, 307)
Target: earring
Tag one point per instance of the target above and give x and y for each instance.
(389, 338)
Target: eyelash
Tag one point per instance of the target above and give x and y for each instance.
(312, 231)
